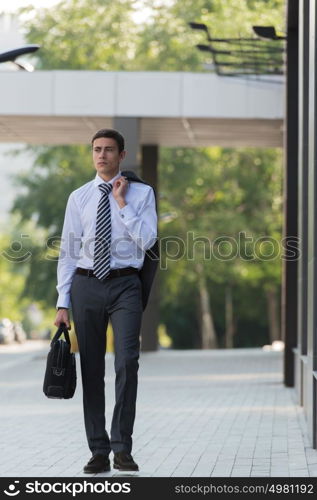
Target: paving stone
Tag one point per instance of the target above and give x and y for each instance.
(199, 414)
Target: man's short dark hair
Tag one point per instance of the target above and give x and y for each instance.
(112, 134)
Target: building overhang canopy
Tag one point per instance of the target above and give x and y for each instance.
(175, 109)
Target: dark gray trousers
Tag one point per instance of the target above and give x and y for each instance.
(93, 303)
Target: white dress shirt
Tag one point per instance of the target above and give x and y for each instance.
(133, 231)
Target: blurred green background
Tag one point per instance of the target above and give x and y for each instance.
(208, 192)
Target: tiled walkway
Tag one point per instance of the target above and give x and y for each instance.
(199, 413)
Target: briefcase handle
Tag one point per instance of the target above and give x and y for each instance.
(62, 329)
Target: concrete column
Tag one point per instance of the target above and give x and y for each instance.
(311, 385)
(290, 227)
(151, 314)
(130, 129)
(303, 88)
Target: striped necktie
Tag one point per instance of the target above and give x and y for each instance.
(103, 233)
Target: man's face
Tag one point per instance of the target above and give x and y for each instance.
(106, 157)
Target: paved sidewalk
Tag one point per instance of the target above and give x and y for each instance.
(199, 413)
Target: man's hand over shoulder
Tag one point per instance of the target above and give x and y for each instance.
(119, 190)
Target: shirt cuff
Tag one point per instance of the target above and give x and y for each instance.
(63, 301)
(126, 213)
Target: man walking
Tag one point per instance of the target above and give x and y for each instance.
(109, 224)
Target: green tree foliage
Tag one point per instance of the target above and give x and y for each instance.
(16, 250)
(211, 195)
(167, 43)
(211, 192)
(84, 34)
(57, 171)
(102, 34)
(12, 281)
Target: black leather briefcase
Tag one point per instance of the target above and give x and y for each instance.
(60, 374)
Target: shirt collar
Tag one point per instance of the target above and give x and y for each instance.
(98, 180)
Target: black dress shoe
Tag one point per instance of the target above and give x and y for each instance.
(97, 463)
(124, 461)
